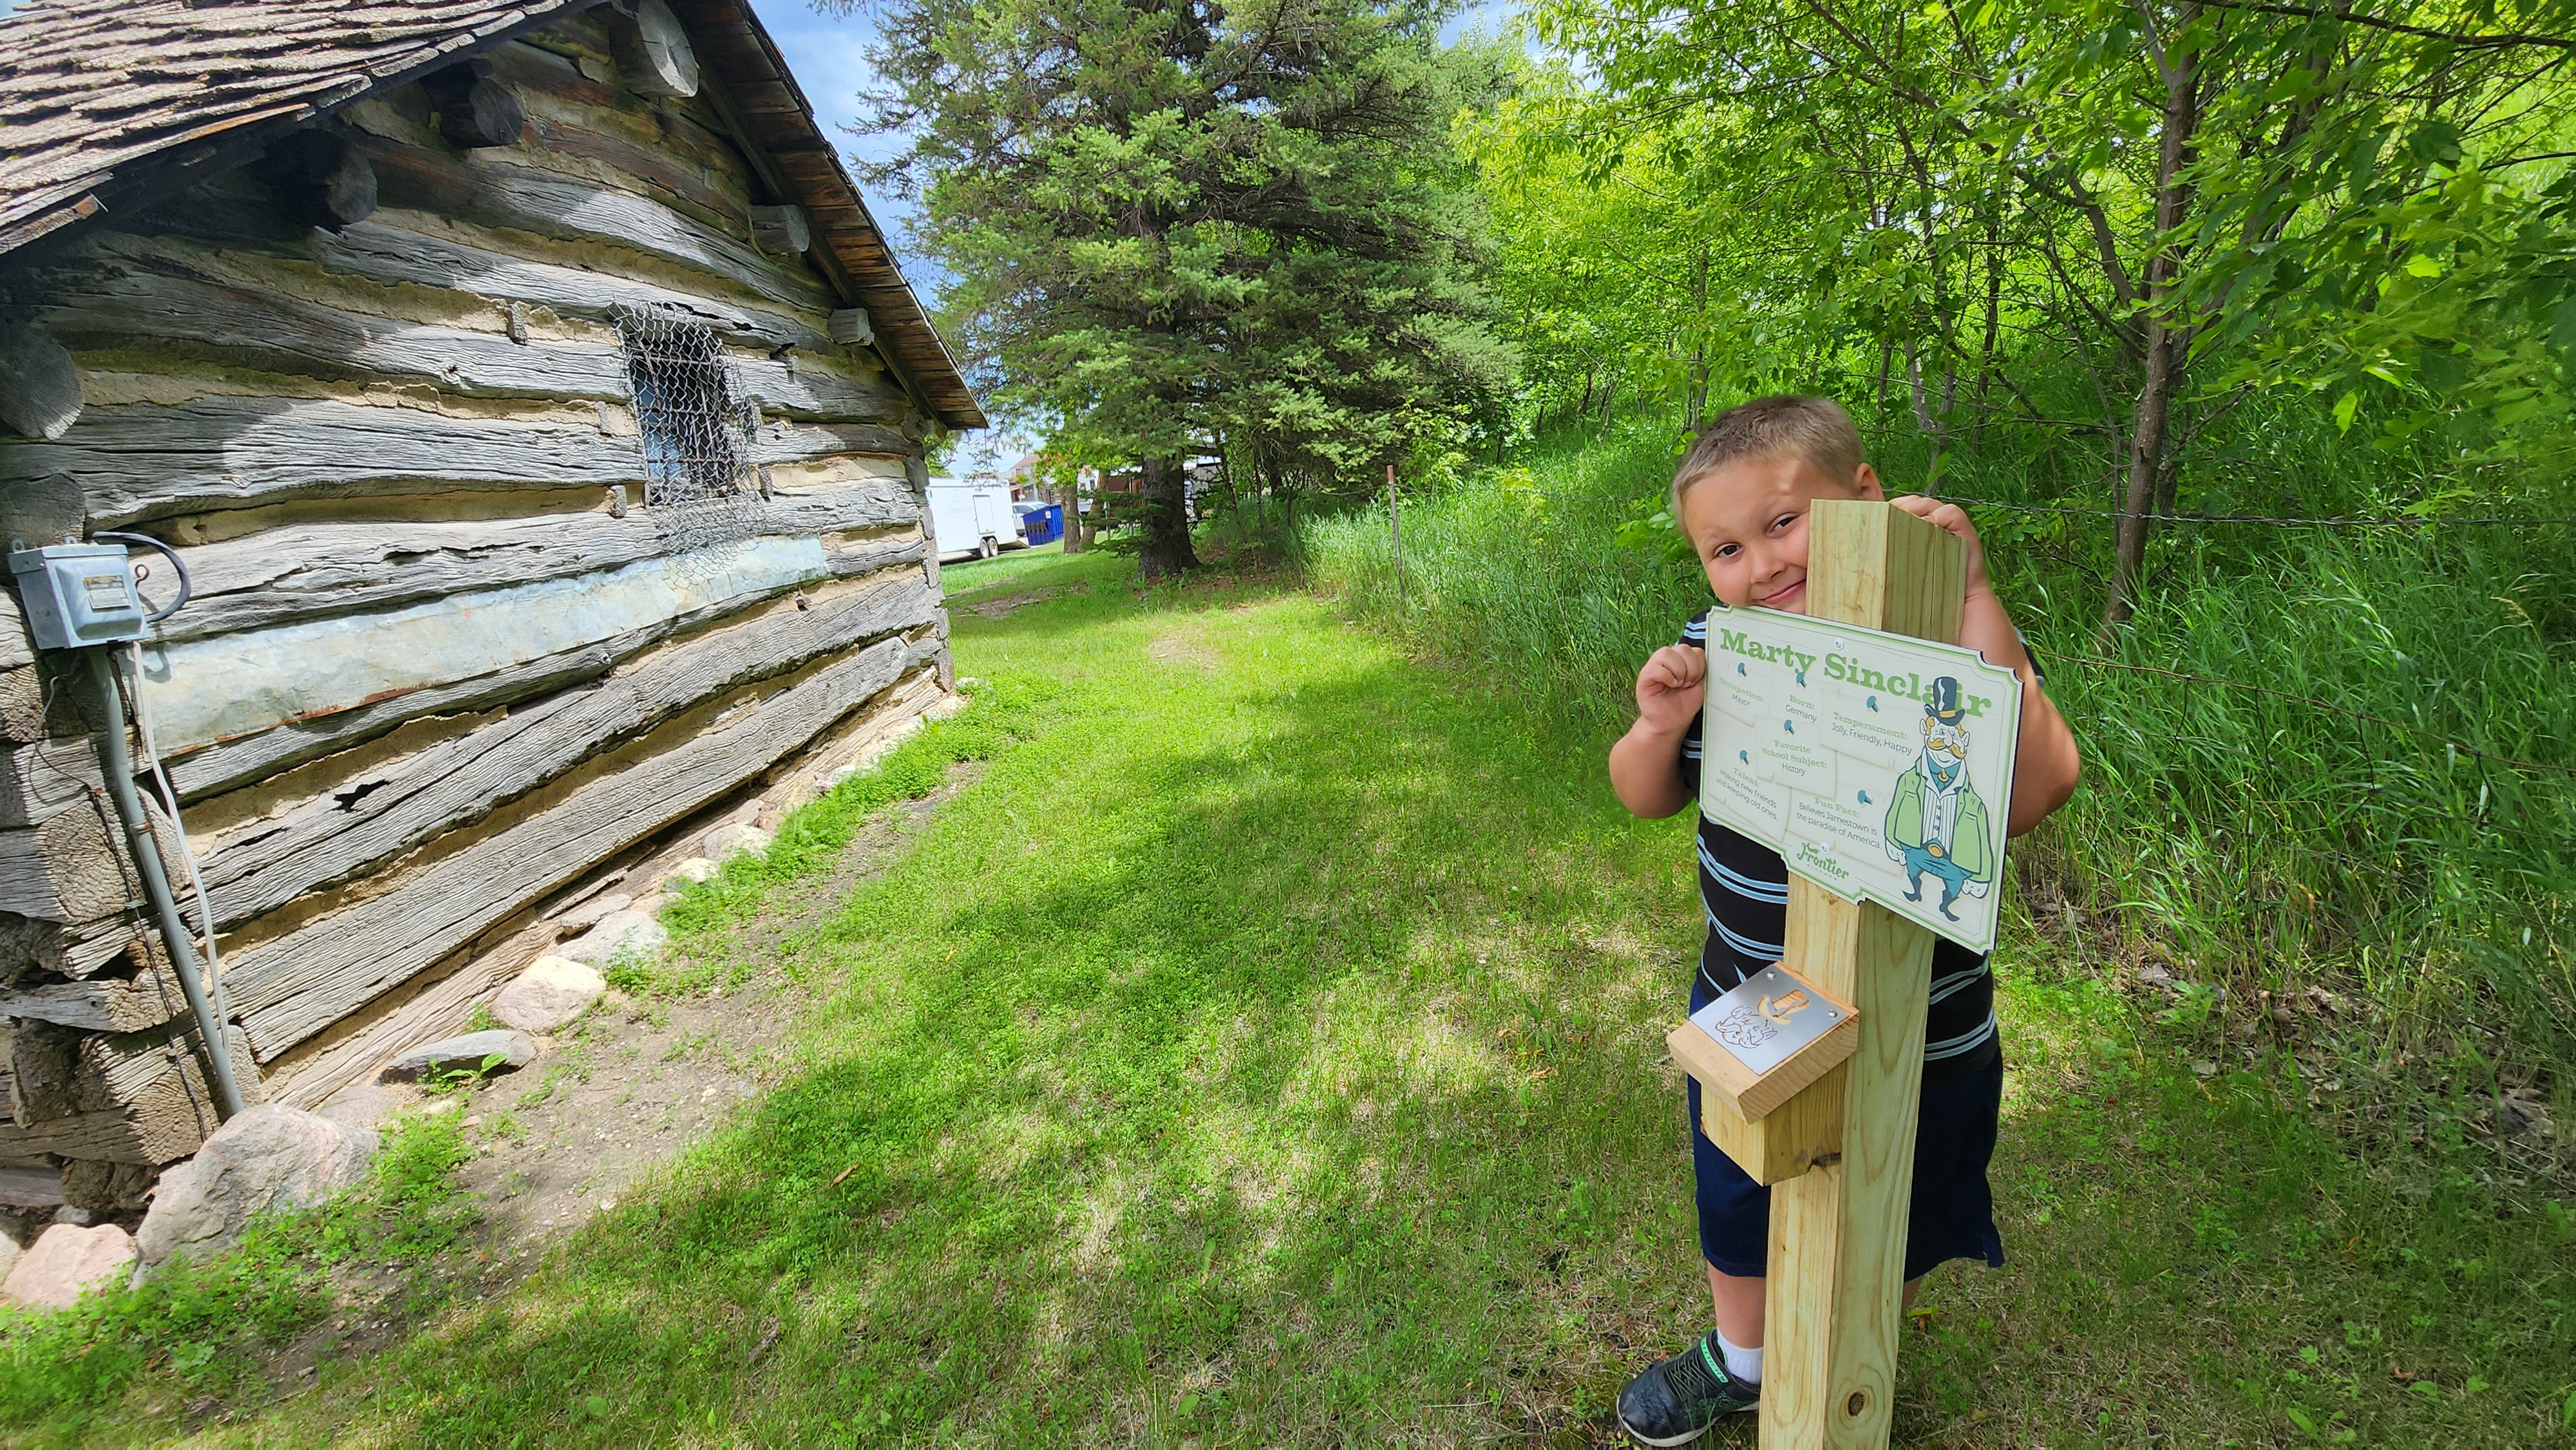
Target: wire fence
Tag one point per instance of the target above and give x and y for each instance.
(2395, 521)
(2328, 706)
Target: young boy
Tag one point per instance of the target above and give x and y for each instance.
(1741, 496)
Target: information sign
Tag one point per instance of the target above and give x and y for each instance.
(1879, 766)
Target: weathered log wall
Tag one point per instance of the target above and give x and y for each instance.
(445, 671)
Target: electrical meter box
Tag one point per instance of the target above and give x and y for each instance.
(77, 595)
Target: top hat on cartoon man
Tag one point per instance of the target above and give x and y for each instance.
(1944, 705)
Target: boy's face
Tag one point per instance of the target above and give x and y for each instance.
(1748, 521)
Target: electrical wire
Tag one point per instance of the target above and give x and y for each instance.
(187, 587)
(170, 800)
(2343, 523)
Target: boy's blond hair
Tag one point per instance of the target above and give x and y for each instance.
(1816, 430)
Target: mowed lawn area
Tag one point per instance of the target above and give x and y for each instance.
(1264, 1046)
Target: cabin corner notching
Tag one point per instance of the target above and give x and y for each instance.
(541, 419)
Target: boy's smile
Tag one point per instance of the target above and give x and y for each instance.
(1747, 521)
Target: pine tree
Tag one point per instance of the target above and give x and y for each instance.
(1173, 223)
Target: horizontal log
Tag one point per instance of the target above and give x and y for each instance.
(69, 948)
(17, 646)
(232, 763)
(100, 1003)
(136, 1098)
(526, 198)
(653, 54)
(382, 252)
(850, 558)
(40, 393)
(674, 180)
(299, 984)
(40, 779)
(204, 690)
(366, 822)
(24, 694)
(309, 571)
(288, 335)
(66, 868)
(138, 461)
(72, 866)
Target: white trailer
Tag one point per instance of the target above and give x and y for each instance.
(972, 520)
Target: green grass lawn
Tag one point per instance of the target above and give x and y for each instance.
(1266, 1048)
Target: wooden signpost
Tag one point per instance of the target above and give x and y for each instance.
(1839, 1152)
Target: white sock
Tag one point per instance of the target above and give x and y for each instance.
(1741, 1363)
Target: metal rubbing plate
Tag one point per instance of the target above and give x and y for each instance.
(1766, 1018)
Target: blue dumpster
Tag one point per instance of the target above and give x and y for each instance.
(1041, 523)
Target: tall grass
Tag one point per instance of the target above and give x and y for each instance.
(2242, 839)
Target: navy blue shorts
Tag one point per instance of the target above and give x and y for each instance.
(1952, 1215)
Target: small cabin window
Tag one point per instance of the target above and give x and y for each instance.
(697, 434)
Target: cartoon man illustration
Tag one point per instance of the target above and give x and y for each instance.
(1938, 825)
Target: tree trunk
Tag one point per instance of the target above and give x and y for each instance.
(1071, 497)
(2163, 352)
(1167, 520)
(1929, 426)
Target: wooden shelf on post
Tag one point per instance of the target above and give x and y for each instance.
(1837, 1256)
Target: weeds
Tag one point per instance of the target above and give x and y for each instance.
(200, 1326)
(2238, 840)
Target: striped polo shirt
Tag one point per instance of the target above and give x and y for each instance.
(1744, 888)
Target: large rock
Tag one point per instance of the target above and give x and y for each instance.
(269, 1159)
(624, 934)
(735, 839)
(462, 1054)
(550, 993)
(695, 869)
(65, 1260)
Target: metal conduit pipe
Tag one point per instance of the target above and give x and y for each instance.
(118, 766)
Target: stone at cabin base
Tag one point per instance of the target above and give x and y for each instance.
(696, 868)
(65, 1260)
(725, 841)
(270, 1158)
(625, 934)
(551, 992)
(462, 1054)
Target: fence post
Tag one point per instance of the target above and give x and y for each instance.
(1837, 1253)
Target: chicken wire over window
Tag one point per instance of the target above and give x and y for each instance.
(699, 431)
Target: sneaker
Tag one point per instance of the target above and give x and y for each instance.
(1675, 1400)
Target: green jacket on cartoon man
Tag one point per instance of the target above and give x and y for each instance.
(1938, 825)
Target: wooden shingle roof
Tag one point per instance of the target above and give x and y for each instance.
(109, 104)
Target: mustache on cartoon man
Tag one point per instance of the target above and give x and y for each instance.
(1938, 825)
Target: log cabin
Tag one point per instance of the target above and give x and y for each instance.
(540, 416)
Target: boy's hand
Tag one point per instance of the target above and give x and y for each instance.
(1954, 518)
(1670, 687)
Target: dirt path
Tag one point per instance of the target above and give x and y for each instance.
(608, 1102)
